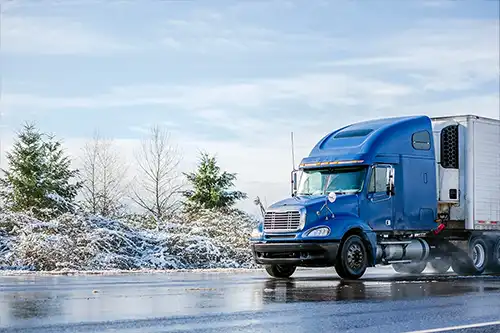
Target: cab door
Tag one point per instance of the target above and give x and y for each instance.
(378, 210)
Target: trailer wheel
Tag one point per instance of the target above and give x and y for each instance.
(440, 266)
(479, 254)
(496, 256)
(477, 260)
(280, 271)
(352, 260)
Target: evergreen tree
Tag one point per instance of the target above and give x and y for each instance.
(38, 177)
(211, 186)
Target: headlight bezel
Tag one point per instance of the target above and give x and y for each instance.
(317, 228)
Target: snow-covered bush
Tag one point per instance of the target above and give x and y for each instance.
(85, 242)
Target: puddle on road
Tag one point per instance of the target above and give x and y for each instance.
(317, 290)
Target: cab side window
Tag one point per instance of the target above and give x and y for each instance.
(378, 180)
(421, 140)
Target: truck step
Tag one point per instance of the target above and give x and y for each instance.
(399, 262)
(394, 242)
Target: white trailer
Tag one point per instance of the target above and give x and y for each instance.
(468, 181)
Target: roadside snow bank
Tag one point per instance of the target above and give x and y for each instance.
(88, 243)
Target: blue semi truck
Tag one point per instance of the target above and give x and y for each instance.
(408, 192)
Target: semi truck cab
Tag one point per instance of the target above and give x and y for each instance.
(385, 192)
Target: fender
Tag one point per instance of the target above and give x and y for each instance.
(341, 226)
(353, 225)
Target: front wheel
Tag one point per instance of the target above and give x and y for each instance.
(352, 260)
(280, 271)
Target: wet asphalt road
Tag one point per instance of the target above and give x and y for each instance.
(313, 301)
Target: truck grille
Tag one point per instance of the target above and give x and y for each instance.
(282, 221)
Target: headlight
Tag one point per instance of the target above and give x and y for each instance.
(302, 224)
(318, 232)
(256, 233)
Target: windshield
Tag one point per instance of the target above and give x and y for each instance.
(338, 180)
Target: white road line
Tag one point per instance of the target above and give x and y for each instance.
(451, 328)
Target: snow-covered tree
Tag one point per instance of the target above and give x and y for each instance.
(210, 186)
(39, 175)
(102, 176)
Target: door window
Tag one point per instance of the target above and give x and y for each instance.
(378, 181)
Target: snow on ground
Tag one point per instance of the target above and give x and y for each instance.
(77, 242)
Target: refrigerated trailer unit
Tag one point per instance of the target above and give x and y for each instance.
(406, 192)
(468, 170)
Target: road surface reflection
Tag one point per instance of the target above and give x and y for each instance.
(314, 290)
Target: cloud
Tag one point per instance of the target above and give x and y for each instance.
(445, 55)
(482, 105)
(315, 90)
(249, 112)
(225, 31)
(54, 36)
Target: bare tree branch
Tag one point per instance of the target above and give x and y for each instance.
(156, 188)
(103, 177)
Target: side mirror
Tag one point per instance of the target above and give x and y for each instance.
(294, 182)
(258, 203)
(390, 181)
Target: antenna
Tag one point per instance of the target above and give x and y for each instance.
(293, 153)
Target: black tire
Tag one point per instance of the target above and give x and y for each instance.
(440, 266)
(352, 259)
(462, 268)
(280, 271)
(411, 268)
(477, 260)
(495, 257)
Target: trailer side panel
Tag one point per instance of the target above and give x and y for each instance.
(484, 172)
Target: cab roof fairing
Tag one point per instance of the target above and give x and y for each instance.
(369, 142)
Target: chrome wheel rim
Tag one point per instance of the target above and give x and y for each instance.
(355, 257)
(478, 255)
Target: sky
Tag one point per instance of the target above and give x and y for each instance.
(235, 78)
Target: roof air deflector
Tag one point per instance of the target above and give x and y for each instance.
(353, 133)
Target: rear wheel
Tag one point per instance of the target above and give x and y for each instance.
(477, 260)
(496, 257)
(352, 260)
(280, 271)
